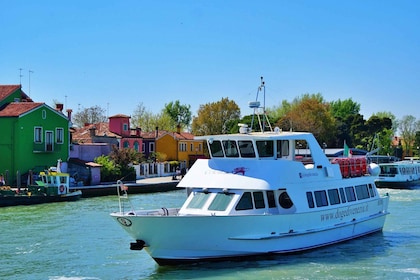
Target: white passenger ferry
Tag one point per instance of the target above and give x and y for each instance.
(255, 195)
(403, 174)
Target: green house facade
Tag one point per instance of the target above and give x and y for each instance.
(33, 136)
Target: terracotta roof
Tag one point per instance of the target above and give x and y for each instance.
(15, 109)
(161, 133)
(6, 90)
(82, 135)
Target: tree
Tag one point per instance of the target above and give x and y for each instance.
(148, 121)
(408, 127)
(216, 117)
(122, 159)
(89, 115)
(179, 114)
(310, 113)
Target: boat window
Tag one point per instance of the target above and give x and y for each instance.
(198, 200)
(371, 190)
(265, 148)
(362, 192)
(245, 203)
(350, 194)
(246, 149)
(63, 179)
(343, 197)
(230, 148)
(285, 201)
(216, 149)
(310, 198)
(221, 201)
(321, 198)
(271, 200)
(333, 196)
(284, 148)
(259, 200)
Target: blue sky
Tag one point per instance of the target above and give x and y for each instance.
(118, 54)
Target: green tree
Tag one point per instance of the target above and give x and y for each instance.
(148, 121)
(123, 158)
(216, 118)
(408, 127)
(94, 114)
(179, 114)
(310, 113)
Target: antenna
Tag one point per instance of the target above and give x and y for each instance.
(20, 76)
(256, 106)
(29, 74)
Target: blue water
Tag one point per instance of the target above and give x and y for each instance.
(78, 240)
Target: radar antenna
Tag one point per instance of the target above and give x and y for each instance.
(261, 116)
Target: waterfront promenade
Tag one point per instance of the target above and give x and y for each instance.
(146, 185)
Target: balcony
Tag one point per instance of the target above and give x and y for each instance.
(46, 148)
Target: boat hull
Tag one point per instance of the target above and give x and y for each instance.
(386, 183)
(178, 239)
(15, 200)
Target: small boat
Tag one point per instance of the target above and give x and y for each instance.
(404, 174)
(53, 186)
(257, 195)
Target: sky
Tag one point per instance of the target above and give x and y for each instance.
(122, 54)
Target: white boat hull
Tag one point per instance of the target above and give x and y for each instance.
(173, 239)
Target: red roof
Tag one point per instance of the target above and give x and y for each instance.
(6, 90)
(15, 109)
(82, 135)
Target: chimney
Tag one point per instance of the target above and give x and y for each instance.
(69, 111)
(178, 128)
(59, 107)
(92, 131)
(157, 131)
(138, 131)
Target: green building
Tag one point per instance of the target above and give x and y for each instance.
(33, 136)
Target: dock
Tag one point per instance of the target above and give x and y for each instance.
(146, 185)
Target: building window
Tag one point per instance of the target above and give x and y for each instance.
(182, 147)
(125, 127)
(151, 147)
(136, 146)
(49, 141)
(59, 135)
(143, 147)
(44, 114)
(126, 144)
(38, 135)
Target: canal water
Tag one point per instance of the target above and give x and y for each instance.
(79, 240)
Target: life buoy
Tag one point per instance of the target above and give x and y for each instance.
(62, 188)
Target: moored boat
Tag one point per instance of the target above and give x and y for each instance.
(53, 186)
(403, 174)
(254, 196)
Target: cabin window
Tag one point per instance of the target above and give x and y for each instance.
(321, 198)
(371, 190)
(246, 149)
(310, 198)
(221, 202)
(333, 196)
(282, 148)
(343, 197)
(350, 194)
(362, 192)
(245, 203)
(230, 148)
(259, 200)
(63, 179)
(38, 134)
(265, 148)
(216, 149)
(285, 201)
(198, 200)
(271, 199)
